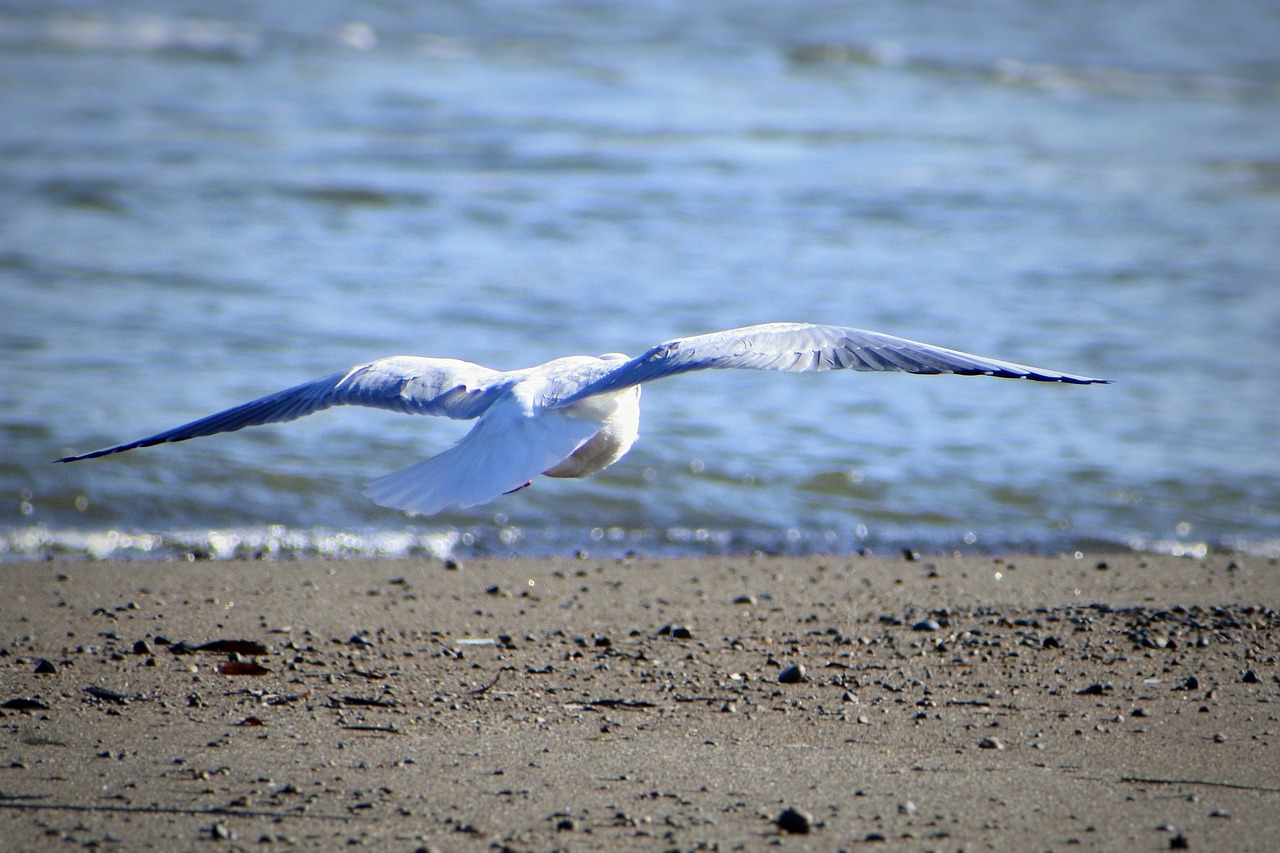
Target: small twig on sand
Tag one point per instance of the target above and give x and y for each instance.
(1149, 781)
(480, 690)
(215, 811)
(388, 729)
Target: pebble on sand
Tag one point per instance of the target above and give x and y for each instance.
(793, 674)
(795, 821)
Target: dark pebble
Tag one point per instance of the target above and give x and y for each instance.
(795, 821)
(45, 667)
(1179, 842)
(1250, 677)
(106, 695)
(142, 647)
(793, 674)
(1094, 690)
(238, 647)
(926, 625)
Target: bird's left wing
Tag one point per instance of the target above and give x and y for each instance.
(409, 384)
(799, 347)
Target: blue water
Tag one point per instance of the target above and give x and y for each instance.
(206, 203)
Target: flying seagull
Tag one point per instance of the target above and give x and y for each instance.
(570, 417)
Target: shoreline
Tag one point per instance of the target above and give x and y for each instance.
(1118, 701)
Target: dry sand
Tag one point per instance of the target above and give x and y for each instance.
(1118, 702)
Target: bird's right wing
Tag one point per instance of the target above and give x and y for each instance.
(409, 384)
(801, 347)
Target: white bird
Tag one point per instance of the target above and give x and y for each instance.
(570, 417)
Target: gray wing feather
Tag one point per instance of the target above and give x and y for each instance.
(421, 386)
(800, 347)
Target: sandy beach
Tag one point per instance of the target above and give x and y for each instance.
(1124, 702)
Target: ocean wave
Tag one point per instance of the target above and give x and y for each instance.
(279, 542)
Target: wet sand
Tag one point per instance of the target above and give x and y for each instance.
(1107, 702)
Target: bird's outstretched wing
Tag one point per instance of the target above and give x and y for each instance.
(799, 347)
(422, 386)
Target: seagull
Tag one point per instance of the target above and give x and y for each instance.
(569, 417)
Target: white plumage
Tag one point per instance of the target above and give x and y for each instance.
(571, 416)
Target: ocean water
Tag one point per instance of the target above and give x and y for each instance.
(207, 203)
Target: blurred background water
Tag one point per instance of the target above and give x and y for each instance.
(203, 203)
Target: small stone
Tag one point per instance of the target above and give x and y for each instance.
(23, 703)
(45, 667)
(1094, 690)
(908, 808)
(927, 625)
(1219, 737)
(744, 599)
(795, 821)
(990, 743)
(142, 647)
(566, 824)
(1250, 677)
(1179, 842)
(793, 674)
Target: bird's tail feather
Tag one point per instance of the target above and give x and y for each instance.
(499, 455)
